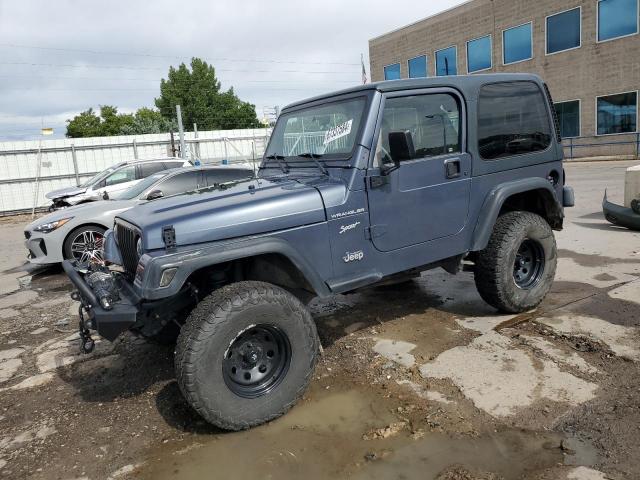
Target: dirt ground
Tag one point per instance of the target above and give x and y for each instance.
(417, 380)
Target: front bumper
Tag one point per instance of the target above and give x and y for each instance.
(108, 323)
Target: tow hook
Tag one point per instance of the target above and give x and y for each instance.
(87, 344)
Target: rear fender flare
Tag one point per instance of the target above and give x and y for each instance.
(498, 196)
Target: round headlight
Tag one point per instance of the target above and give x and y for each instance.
(139, 247)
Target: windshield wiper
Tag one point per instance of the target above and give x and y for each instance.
(281, 161)
(315, 157)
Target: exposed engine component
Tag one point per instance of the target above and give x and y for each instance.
(103, 285)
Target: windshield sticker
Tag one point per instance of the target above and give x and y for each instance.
(337, 132)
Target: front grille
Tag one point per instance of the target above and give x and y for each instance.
(127, 237)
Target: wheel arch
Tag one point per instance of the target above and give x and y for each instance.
(271, 260)
(535, 195)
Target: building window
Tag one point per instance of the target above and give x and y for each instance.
(479, 54)
(512, 120)
(617, 113)
(564, 31)
(617, 18)
(569, 118)
(418, 67)
(392, 72)
(447, 62)
(517, 44)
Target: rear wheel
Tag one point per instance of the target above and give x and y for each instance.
(85, 244)
(246, 354)
(516, 269)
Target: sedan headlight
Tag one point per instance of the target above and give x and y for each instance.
(51, 226)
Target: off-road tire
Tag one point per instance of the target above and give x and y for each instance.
(208, 333)
(494, 269)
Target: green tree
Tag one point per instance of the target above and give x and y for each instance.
(86, 124)
(202, 100)
(110, 123)
(147, 120)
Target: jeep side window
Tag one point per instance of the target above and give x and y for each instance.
(433, 120)
(512, 120)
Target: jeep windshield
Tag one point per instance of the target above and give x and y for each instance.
(305, 136)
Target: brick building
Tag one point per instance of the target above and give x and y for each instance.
(588, 52)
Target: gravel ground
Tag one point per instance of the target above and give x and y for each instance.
(417, 380)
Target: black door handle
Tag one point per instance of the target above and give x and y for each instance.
(452, 168)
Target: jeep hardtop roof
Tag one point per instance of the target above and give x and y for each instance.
(464, 83)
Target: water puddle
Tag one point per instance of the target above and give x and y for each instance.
(323, 438)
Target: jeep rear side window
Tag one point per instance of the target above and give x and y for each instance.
(512, 120)
(433, 120)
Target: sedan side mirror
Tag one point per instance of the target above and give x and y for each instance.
(155, 194)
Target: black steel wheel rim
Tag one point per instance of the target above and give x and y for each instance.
(256, 361)
(528, 267)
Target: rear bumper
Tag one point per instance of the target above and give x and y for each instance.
(568, 197)
(108, 323)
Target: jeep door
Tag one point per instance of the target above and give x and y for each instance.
(424, 197)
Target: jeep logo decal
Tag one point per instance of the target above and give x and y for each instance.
(353, 256)
(346, 228)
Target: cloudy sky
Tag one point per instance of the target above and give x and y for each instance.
(60, 57)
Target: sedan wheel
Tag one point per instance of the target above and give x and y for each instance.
(85, 245)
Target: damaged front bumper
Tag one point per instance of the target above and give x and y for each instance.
(109, 322)
(619, 215)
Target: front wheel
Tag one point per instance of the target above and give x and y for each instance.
(84, 245)
(516, 270)
(246, 354)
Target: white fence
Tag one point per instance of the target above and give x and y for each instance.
(70, 161)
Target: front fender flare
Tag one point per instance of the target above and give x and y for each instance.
(495, 200)
(192, 259)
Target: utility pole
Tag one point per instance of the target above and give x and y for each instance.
(183, 148)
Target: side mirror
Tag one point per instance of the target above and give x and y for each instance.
(105, 195)
(401, 146)
(155, 194)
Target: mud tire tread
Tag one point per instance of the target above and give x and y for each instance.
(495, 258)
(206, 319)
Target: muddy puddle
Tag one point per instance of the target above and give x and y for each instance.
(328, 436)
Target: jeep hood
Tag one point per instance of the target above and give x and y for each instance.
(248, 207)
(65, 192)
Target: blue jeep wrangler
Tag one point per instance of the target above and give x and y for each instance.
(368, 185)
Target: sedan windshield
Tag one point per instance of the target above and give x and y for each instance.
(140, 187)
(326, 132)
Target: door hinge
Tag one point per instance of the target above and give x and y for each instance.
(169, 237)
(375, 231)
(377, 181)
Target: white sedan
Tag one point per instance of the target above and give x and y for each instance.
(113, 180)
(77, 232)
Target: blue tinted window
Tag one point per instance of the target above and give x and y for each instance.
(479, 54)
(446, 62)
(392, 72)
(617, 113)
(617, 18)
(563, 31)
(569, 118)
(418, 67)
(517, 44)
